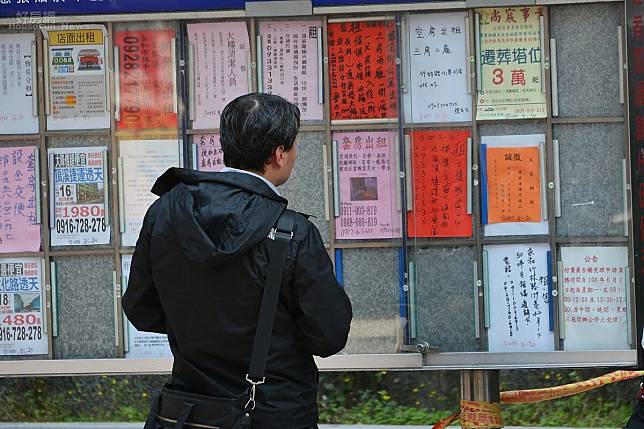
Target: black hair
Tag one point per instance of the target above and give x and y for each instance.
(253, 126)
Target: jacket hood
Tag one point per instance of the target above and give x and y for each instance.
(217, 216)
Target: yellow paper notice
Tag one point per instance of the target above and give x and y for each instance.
(510, 64)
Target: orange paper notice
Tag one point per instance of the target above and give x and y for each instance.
(513, 184)
(439, 161)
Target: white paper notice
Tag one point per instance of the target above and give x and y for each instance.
(513, 228)
(142, 345)
(18, 109)
(290, 56)
(595, 298)
(437, 69)
(143, 161)
(78, 177)
(22, 320)
(518, 298)
(77, 79)
(221, 52)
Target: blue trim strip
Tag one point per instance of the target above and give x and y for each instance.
(403, 295)
(339, 270)
(551, 303)
(484, 183)
(104, 7)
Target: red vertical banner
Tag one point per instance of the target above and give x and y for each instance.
(362, 58)
(635, 43)
(439, 163)
(147, 86)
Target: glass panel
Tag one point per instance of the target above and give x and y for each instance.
(439, 164)
(362, 67)
(147, 81)
(510, 69)
(526, 133)
(590, 29)
(85, 308)
(305, 188)
(592, 189)
(445, 298)
(219, 56)
(371, 279)
(519, 310)
(435, 60)
(71, 223)
(291, 55)
(19, 109)
(595, 297)
(20, 229)
(77, 81)
(23, 320)
(367, 186)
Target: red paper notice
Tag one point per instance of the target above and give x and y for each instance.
(147, 89)
(439, 162)
(363, 69)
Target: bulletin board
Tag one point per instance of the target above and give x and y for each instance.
(461, 164)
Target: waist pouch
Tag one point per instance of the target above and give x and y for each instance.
(178, 410)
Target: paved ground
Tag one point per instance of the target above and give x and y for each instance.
(140, 425)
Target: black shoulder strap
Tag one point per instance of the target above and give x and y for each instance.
(281, 236)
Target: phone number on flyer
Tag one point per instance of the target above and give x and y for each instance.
(20, 333)
(80, 226)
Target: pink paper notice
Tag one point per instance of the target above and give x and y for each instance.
(221, 68)
(210, 157)
(19, 228)
(290, 54)
(366, 163)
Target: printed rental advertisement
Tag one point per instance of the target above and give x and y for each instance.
(366, 164)
(22, 320)
(77, 80)
(79, 209)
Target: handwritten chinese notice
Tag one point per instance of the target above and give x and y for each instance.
(78, 193)
(439, 161)
(290, 52)
(209, 155)
(438, 71)
(512, 185)
(518, 298)
(146, 70)
(22, 319)
(17, 86)
(510, 64)
(77, 79)
(143, 162)
(595, 304)
(142, 345)
(19, 228)
(367, 174)
(362, 56)
(221, 68)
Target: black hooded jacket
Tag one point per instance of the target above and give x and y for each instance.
(198, 273)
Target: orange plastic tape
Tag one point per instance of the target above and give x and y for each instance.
(538, 395)
(488, 415)
(442, 424)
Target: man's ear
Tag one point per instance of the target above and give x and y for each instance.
(278, 156)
